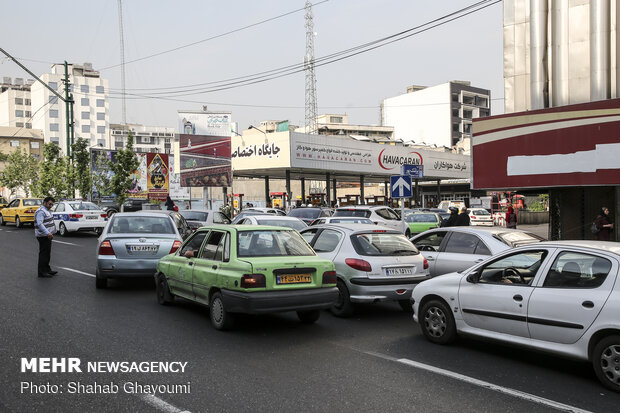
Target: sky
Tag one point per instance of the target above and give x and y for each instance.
(230, 39)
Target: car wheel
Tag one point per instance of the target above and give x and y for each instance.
(406, 306)
(63, 230)
(606, 362)
(309, 317)
(164, 296)
(343, 306)
(18, 222)
(100, 282)
(111, 212)
(98, 231)
(2, 221)
(437, 322)
(220, 318)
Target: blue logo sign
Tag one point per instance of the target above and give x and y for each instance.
(415, 171)
(401, 186)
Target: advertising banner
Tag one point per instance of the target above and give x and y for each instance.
(157, 178)
(174, 179)
(250, 152)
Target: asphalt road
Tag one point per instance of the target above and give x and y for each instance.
(268, 363)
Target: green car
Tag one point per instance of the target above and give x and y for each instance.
(248, 269)
(422, 221)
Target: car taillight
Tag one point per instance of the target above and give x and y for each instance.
(378, 230)
(29, 211)
(175, 246)
(473, 217)
(104, 215)
(358, 264)
(106, 248)
(425, 264)
(76, 216)
(253, 281)
(329, 277)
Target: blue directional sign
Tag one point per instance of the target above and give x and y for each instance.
(415, 171)
(401, 186)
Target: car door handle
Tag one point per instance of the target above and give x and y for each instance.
(479, 260)
(190, 263)
(588, 304)
(430, 259)
(214, 267)
(517, 297)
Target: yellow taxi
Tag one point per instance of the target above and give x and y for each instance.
(20, 211)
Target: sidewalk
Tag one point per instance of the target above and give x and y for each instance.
(541, 230)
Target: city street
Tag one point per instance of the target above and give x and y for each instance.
(376, 360)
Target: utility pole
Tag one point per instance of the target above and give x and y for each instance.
(122, 49)
(68, 112)
(311, 122)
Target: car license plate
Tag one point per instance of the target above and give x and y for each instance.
(399, 271)
(293, 278)
(91, 217)
(142, 248)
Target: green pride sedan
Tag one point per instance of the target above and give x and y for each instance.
(248, 269)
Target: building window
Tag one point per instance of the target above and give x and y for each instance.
(53, 113)
(53, 99)
(54, 139)
(100, 116)
(85, 102)
(28, 125)
(467, 114)
(19, 113)
(36, 156)
(84, 88)
(54, 127)
(168, 134)
(53, 85)
(100, 103)
(85, 115)
(99, 89)
(455, 97)
(455, 113)
(467, 128)
(19, 124)
(27, 101)
(19, 101)
(85, 128)
(28, 113)
(14, 143)
(482, 101)
(456, 127)
(335, 119)
(71, 88)
(101, 142)
(100, 129)
(34, 145)
(167, 140)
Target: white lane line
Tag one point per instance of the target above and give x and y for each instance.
(161, 405)
(65, 242)
(78, 271)
(506, 390)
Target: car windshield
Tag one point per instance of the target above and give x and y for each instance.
(421, 218)
(480, 212)
(363, 213)
(141, 225)
(288, 223)
(308, 213)
(194, 215)
(84, 206)
(350, 221)
(383, 244)
(272, 243)
(32, 202)
(516, 238)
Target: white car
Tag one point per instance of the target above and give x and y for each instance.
(273, 220)
(561, 297)
(274, 211)
(74, 216)
(341, 220)
(480, 216)
(378, 214)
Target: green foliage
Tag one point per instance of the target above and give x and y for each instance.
(102, 182)
(225, 209)
(21, 172)
(4, 157)
(81, 167)
(541, 204)
(124, 166)
(54, 174)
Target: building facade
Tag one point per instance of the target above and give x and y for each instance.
(154, 139)
(439, 115)
(15, 105)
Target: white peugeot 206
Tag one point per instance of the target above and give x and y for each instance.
(74, 216)
(560, 297)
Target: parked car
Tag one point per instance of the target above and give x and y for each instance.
(561, 297)
(74, 216)
(309, 214)
(20, 211)
(245, 213)
(379, 214)
(248, 269)
(458, 248)
(341, 220)
(111, 207)
(200, 217)
(274, 211)
(421, 221)
(372, 263)
(133, 242)
(274, 221)
(480, 216)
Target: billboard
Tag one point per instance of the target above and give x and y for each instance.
(157, 176)
(204, 149)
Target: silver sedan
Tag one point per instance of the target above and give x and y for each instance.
(274, 220)
(132, 243)
(373, 263)
(458, 248)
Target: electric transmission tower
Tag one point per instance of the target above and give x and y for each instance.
(311, 123)
(122, 39)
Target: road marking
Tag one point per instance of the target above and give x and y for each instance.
(78, 271)
(481, 383)
(67, 243)
(160, 404)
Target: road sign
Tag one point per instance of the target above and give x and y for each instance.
(401, 186)
(415, 171)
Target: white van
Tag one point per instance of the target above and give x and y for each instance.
(454, 203)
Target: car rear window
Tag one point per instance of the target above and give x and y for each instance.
(32, 202)
(350, 221)
(517, 238)
(288, 223)
(194, 215)
(421, 218)
(272, 243)
(362, 213)
(141, 225)
(308, 213)
(382, 244)
(480, 212)
(84, 206)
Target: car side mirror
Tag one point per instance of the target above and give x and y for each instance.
(473, 278)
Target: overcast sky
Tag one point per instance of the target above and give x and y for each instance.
(42, 32)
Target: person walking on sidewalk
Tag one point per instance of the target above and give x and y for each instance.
(44, 230)
(604, 225)
(511, 218)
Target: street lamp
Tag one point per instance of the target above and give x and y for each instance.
(255, 128)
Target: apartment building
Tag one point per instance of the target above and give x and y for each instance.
(155, 139)
(15, 105)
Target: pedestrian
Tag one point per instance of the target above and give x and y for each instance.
(451, 221)
(44, 230)
(604, 225)
(169, 204)
(463, 218)
(188, 205)
(511, 218)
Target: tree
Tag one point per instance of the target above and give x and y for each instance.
(53, 173)
(123, 167)
(81, 167)
(21, 172)
(102, 181)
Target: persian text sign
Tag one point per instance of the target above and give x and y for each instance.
(157, 175)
